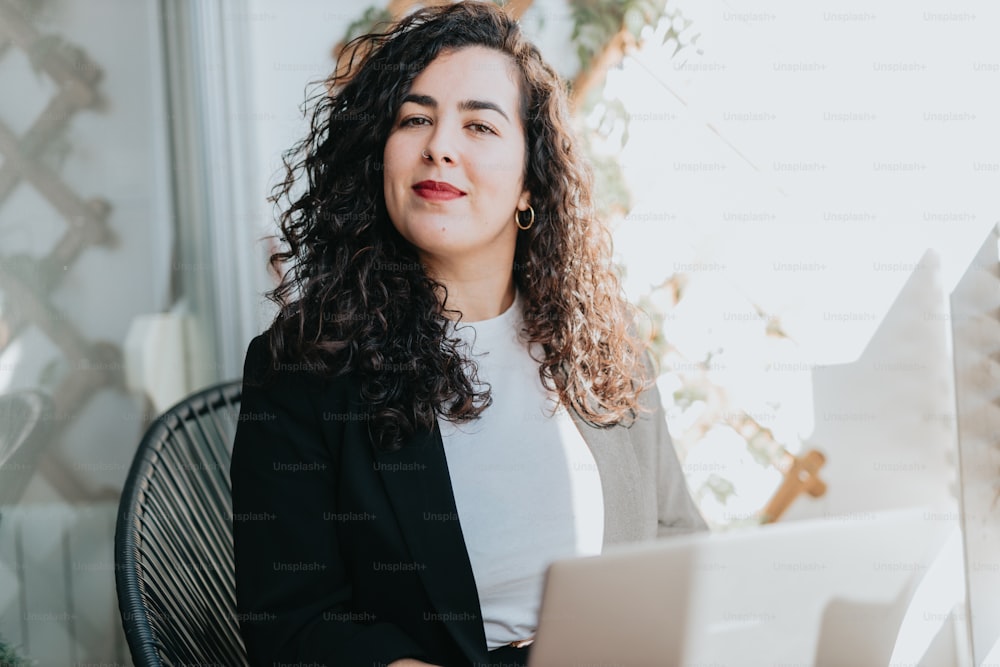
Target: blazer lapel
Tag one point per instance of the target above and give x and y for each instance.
(418, 485)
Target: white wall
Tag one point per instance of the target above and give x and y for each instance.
(834, 165)
(290, 46)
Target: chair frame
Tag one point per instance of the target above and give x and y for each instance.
(135, 569)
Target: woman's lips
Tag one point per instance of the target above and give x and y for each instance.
(437, 191)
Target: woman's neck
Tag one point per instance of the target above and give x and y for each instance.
(478, 296)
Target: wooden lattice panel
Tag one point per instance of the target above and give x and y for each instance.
(27, 282)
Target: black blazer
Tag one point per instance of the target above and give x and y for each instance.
(345, 557)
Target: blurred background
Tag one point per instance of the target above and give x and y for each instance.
(796, 191)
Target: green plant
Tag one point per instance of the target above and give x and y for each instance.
(10, 658)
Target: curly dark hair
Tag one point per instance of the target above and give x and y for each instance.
(355, 297)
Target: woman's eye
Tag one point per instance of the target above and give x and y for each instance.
(414, 120)
(480, 128)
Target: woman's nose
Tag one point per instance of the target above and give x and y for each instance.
(441, 146)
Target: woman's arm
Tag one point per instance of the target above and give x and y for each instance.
(291, 585)
(676, 510)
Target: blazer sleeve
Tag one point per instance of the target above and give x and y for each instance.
(291, 586)
(676, 510)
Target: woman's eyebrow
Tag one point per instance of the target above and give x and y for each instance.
(464, 105)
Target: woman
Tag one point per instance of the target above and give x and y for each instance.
(450, 396)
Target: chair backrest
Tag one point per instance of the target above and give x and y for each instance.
(25, 420)
(174, 565)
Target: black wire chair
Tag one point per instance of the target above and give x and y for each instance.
(174, 566)
(25, 422)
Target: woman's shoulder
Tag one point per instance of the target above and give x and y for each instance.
(262, 367)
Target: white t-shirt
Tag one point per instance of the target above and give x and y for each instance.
(526, 486)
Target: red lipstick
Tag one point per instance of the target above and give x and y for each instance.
(437, 190)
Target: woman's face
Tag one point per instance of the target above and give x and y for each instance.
(457, 206)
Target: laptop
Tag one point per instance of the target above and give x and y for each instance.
(816, 592)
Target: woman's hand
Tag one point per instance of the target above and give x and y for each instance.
(410, 662)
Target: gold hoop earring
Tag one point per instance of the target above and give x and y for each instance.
(517, 218)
